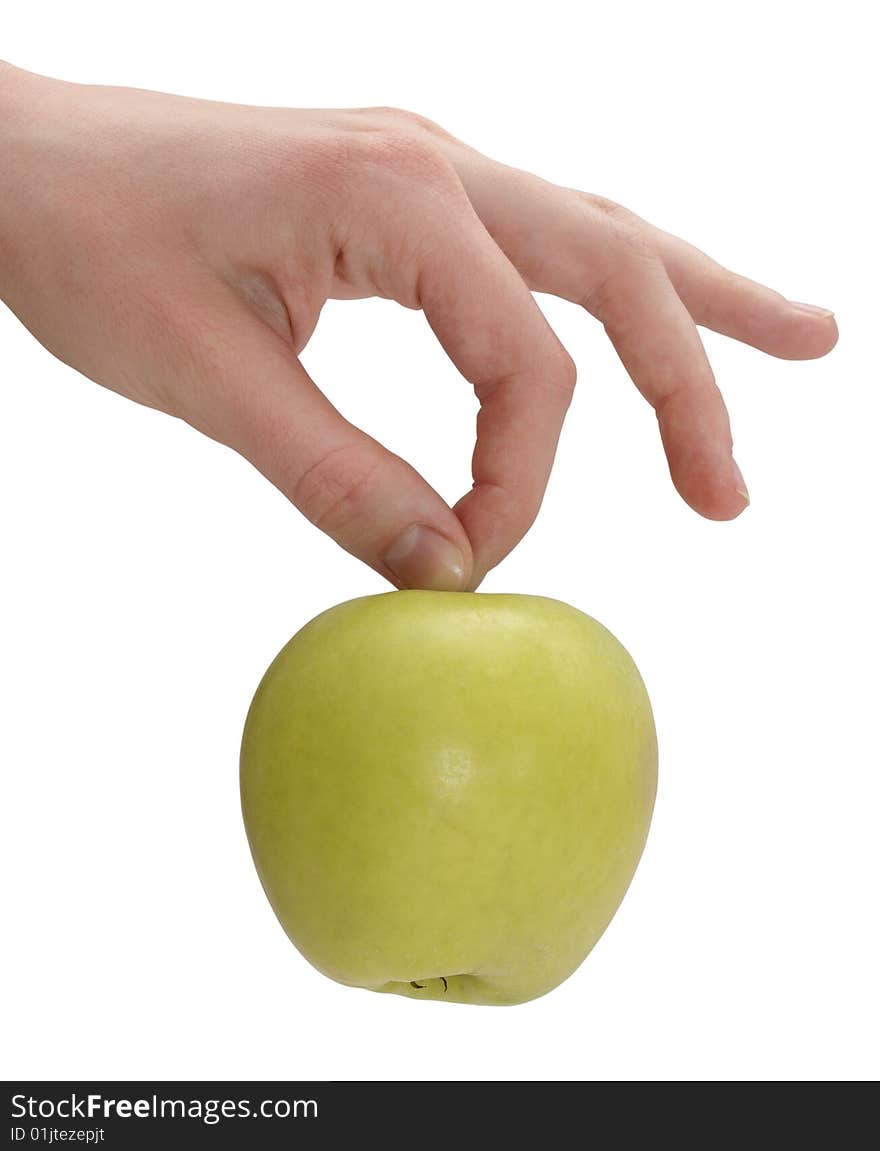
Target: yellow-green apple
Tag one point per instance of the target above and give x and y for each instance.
(446, 794)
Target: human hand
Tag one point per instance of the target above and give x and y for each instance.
(180, 251)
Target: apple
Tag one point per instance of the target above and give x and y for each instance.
(446, 794)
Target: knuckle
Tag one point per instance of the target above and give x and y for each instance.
(406, 154)
(622, 255)
(407, 120)
(330, 493)
(565, 375)
(607, 207)
(696, 386)
(625, 228)
(631, 242)
(629, 261)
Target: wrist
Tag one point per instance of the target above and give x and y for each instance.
(22, 97)
(7, 73)
(13, 82)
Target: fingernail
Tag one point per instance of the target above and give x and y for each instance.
(811, 309)
(422, 558)
(741, 489)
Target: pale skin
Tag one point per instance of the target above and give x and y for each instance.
(179, 252)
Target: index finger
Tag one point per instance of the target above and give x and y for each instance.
(487, 320)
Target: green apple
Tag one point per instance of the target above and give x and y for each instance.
(446, 794)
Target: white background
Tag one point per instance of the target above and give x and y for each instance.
(149, 575)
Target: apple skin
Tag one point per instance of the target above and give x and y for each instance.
(446, 794)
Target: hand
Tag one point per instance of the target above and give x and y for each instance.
(180, 252)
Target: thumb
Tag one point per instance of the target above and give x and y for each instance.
(370, 501)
